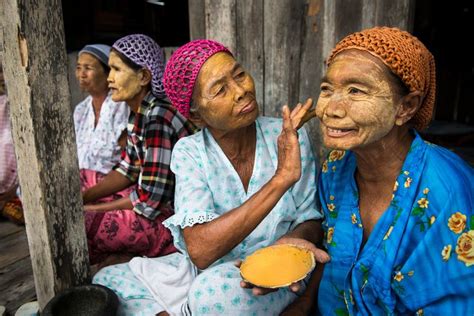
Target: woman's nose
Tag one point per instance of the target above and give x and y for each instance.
(336, 106)
(239, 92)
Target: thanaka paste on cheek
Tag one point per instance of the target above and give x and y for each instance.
(356, 119)
(125, 82)
(221, 96)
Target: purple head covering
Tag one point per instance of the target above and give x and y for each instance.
(183, 68)
(145, 52)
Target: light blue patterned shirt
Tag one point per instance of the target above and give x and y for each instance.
(207, 186)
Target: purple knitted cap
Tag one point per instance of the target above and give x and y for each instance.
(145, 52)
(183, 68)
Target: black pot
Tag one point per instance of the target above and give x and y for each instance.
(85, 300)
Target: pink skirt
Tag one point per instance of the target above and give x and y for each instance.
(124, 231)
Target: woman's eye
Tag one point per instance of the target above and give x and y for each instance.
(353, 90)
(220, 90)
(240, 75)
(325, 89)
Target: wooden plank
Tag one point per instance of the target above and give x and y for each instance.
(282, 40)
(220, 22)
(369, 14)
(7, 228)
(16, 284)
(197, 19)
(312, 63)
(399, 14)
(13, 248)
(249, 51)
(348, 17)
(43, 132)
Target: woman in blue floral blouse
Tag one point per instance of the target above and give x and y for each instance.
(399, 212)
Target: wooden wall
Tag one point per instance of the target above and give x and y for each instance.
(283, 43)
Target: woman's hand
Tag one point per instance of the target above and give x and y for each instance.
(289, 156)
(302, 113)
(121, 204)
(93, 208)
(319, 255)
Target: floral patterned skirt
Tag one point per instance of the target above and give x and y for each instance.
(124, 231)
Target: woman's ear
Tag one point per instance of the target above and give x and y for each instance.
(409, 105)
(145, 77)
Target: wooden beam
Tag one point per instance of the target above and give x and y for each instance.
(249, 41)
(220, 22)
(197, 20)
(282, 29)
(35, 71)
(312, 64)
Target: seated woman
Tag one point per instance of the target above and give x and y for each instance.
(10, 205)
(236, 192)
(399, 212)
(100, 123)
(133, 225)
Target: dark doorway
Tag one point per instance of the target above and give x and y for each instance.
(104, 21)
(445, 28)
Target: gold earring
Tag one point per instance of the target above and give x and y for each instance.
(399, 122)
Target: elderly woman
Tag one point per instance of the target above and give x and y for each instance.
(133, 225)
(399, 212)
(238, 189)
(100, 123)
(10, 205)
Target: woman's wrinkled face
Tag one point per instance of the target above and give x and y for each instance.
(225, 94)
(90, 74)
(124, 82)
(358, 101)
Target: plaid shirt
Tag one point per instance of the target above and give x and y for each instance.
(152, 133)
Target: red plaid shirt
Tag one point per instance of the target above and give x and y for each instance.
(152, 133)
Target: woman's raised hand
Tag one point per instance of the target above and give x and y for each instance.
(302, 113)
(289, 156)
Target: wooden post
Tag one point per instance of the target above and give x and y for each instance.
(35, 62)
(197, 19)
(249, 25)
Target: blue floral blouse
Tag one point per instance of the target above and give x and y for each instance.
(419, 259)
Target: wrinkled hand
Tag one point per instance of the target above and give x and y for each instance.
(289, 156)
(92, 208)
(302, 113)
(319, 255)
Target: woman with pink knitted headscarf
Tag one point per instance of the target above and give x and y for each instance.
(399, 212)
(132, 225)
(244, 182)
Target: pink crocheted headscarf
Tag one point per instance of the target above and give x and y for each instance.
(145, 52)
(183, 68)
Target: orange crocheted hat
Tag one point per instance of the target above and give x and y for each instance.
(406, 57)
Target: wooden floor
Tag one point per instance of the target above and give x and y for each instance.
(16, 276)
